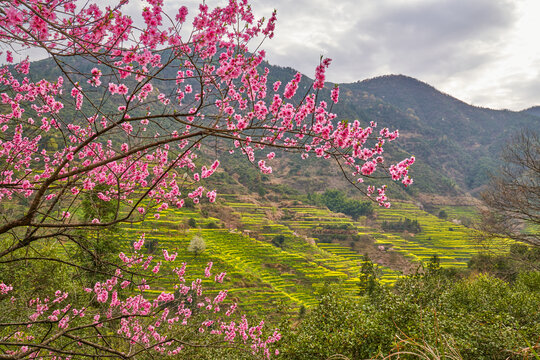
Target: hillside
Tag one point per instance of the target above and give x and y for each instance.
(317, 246)
(534, 110)
(455, 139)
(456, 145)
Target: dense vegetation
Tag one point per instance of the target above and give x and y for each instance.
(477, 317)
(338, 201)
(351, 312)
(402, 225)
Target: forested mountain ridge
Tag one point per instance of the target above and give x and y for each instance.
(456, 145)
(457, 140)
(534, 110)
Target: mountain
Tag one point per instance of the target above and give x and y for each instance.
(456, 145)
(535, 111)
(456, 140)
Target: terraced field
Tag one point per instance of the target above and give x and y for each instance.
(264, 276)
(261, 275)
(453, 243)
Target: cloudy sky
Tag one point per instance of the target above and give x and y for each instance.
(485, 52)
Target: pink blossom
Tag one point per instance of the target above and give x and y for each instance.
(138, 245)
(63, 324)
(211, 195)
(169, 257)
(182, 13)
(335, 94)
(207, 269)
(292, 86)
(4, 289)
(95, 80)
(264, 169)
(219, 278)
(320, 73)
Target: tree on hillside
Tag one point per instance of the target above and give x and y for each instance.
(513, 195)
(368, 277)
(197, 245)
(338, 201)
(111, 134)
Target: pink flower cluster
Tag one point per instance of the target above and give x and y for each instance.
(4, 289)
(335, 94)
(401, 170)
(320, 73)
(138, 318)
(292, 86)
(95, 79)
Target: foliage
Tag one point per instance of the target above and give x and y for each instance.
(341, 232)
(151, 246)
(402, 225)
(443, 215)
(338, 201)
(278, 240)
(521, 258)
(477, 318)
(37, 277)
(338, 325)
(368, 283)
(192, 223)
(97, 248)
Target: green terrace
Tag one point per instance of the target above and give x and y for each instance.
(453, 243)
(353, 260)
(336, 257)
(262, 276)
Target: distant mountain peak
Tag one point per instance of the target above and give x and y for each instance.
(395, 77)
(533, 110)
(406, 91)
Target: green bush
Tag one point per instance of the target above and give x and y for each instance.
(479, 318)
(192, 222)
(338, 201)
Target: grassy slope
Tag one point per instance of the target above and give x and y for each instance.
(264, 277)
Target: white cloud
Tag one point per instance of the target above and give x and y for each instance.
(484, 52)
(481, 51)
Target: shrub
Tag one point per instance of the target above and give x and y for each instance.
(197, 245)
(192, 222)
